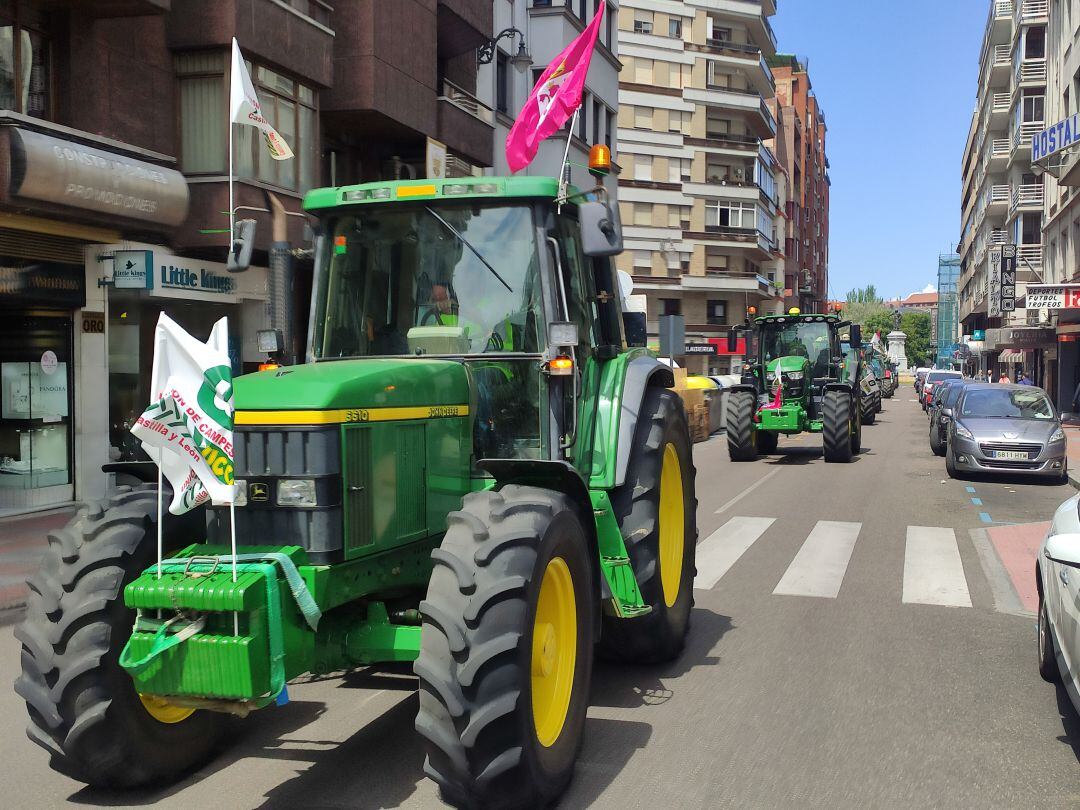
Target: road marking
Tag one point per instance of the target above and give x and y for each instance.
(747, 491)
(933, 571)
(819, 567)
(977, 501)
(970, 489)
(723, 548)
(1005, 597)
(985, 517)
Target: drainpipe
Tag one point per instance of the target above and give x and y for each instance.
(280, 305)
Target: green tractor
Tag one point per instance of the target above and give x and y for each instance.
(794, 381)
(472, 471)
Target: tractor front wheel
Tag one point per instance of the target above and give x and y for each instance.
(867, 410)
(506, 650)
(656, 509)
(839, 426)
(741, 435)
(83, 706)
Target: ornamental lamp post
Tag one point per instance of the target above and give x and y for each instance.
(521, 60)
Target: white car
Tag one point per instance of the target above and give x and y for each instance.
(1057, 574)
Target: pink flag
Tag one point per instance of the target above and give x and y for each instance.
(556, 95)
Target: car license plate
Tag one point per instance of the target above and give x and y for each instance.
(1011, 455)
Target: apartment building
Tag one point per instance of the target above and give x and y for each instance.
(546, 27)
(800, 148)
(114, 141)
(701, 194)
(1003, 198)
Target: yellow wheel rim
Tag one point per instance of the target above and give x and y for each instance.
(163, 711)
(554, 651)
(672, 525)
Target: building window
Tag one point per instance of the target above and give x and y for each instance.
(610, 131)
(204, 126)
(643, 22)
(643, 167)
(643, 117)
(670, 306)
(1033, 105)
(597, 119)
(611, 19)
(582, 115)
(675, 28)
(729, 214)
(643, 71)
(642, 259)
(642, 213)
(25, 62)
(716, 313)
(502, 82)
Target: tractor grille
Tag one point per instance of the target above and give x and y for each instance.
(264, 456)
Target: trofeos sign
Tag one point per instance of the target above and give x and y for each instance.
(1053, 296)
(53, 170)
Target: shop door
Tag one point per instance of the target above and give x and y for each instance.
(35, 406)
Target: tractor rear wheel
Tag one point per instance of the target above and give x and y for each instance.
(506, 650)
(867, 411)
(741, 436)
(656, 509)
(839, 426)
(83, 706)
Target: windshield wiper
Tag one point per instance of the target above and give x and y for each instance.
(468, 244)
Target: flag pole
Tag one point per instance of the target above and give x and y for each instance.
(564, 175)
(160, 531)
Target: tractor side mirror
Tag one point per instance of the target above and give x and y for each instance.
(243, 244)
(856, 335)
(732, 341)
(601, 230)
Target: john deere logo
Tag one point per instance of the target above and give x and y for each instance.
(260, 492)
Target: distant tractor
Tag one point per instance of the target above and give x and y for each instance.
(472, 471)
(793, 381)
(858, 372)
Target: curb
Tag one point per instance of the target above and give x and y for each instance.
(1074, 479)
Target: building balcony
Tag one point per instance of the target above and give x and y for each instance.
(1021, 139)
(1029, 73)
(1029, 257)
(1030, 12)
(996, 198)
(745, 58)
(999, 24)
(996, 156)
(466, 125)
(748, 103)
(725, 140)
(999, 71)
(997, 110)
(1027, 198)
(756, 244)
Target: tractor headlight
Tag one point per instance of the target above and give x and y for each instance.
(795, 375)
(296, 492)
(240, 493)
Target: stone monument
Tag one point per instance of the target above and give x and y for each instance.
(897, 351)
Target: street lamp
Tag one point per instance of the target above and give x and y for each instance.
(521, 60)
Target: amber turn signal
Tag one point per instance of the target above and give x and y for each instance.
(600, 160)
(561, 367)
(268, 366)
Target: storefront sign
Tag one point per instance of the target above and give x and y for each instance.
(701, 348)
(133, 269)
(1053, 296)
(979, 334)
(43, 284)
(1008, 278)
(93, 323)
(993, 304)
(436, 159)
(1062, 135)
(185, 274)
(67, 173)
(1031, 337)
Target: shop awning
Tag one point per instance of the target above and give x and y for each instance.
(1010, 356)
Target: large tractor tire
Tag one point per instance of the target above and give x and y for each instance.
(506, 650)
(83, 706)
(867, 411)
(839, 427)
(741, 436)
(656, 509)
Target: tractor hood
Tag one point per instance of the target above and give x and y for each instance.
(788, 364)
(367, 383)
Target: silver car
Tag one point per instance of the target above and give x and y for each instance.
(1011, 429)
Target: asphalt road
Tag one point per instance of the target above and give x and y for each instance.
(907, 680)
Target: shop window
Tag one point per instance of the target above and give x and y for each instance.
(25, 61)
(670, 306)
(204, 123)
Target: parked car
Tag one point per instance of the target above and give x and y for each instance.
(1057, 580)
(1010, 429)
(946, 394)
(920, 375)
(933, 378)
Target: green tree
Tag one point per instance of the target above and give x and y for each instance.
(916, 325)
(864, 295)
(879, 321)
(867, 313)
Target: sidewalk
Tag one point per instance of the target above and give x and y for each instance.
(23, 540)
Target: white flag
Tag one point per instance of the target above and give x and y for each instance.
(244, 107)
(189, 424)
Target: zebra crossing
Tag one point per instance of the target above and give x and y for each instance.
(933, 572)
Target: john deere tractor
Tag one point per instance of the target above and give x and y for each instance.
(793, 381)
(471, 471)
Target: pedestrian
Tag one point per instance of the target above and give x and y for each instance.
(1025, 379)
(1004, 379)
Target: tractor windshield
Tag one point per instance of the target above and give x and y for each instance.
(429, 280)
(809, 339)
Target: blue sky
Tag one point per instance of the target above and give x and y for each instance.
(897, 83)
